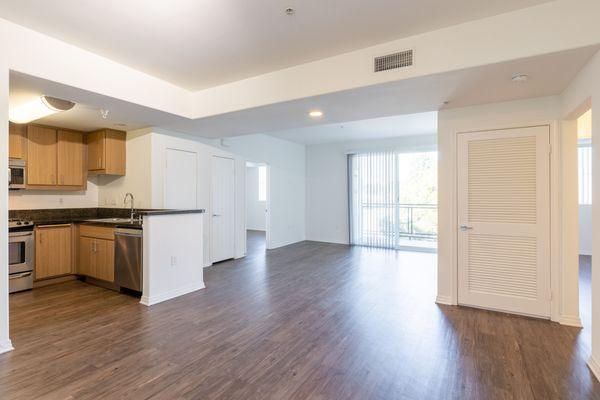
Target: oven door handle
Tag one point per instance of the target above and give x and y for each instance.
(20, 234)
(21, 275)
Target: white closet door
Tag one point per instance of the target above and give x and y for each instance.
(223, 208)
(504, 220)
(181, 179)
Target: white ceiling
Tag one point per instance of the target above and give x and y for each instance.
(378, 128)
(550, 74)
(201, 43)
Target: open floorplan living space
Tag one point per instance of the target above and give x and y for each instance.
(302, 200)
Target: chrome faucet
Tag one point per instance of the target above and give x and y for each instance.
(125, 203)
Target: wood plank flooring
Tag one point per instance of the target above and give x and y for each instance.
(308, 321)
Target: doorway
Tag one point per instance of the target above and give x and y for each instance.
(257, 207)
(584, 189)
(393, 200)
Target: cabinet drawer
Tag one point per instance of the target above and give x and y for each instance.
(98, 232)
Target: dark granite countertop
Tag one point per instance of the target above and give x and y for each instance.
(85, 215)
(166, 212)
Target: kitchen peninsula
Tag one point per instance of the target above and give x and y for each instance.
(84, 243)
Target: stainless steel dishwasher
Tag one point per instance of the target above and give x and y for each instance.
(128, 258)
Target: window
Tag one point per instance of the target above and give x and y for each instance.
(262, 183)
(393, 199)
(585, 172)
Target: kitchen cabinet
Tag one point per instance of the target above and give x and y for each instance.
(106, 152)
(42, 155)
(71, 158)
(56, 159)
(53, 251)
(17, 141)
(97, 252)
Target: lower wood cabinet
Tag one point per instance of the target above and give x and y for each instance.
(97, 253)
(53, 251)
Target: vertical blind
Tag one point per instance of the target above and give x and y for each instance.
(392, 198)
(373, 186)
(585, 172)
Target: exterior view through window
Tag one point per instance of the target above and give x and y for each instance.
(585, 171)
(393, 199)
(262, 183)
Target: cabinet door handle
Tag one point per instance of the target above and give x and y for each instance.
(99, 162)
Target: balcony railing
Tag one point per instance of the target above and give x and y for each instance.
(399, 222)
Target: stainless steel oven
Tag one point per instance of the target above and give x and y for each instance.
(17, 174)
(20, 255)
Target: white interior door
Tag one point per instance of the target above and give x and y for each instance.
(504, 220)
(223, 208)
(181, 179)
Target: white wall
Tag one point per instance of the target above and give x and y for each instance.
(35, 199)
(585, 230)
(255, 209)
(582, 93)
(146, 151)
(287, 182)
(327, 182)
(172, 259)
(451, 122)
(137, 179)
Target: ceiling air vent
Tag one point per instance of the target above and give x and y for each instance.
(394, 61)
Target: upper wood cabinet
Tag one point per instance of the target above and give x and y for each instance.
(106, 152)
(17, 141)
(42, 155)
(53, 251)
(71, 158)
(56, 159)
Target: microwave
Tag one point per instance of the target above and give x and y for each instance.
(17, 174)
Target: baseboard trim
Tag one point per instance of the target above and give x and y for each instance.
(283, 244)
(594, 367)
(445, 300)
(151, 300)
(6, 346)
(570, 320)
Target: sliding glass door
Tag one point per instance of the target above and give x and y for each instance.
(393, 199)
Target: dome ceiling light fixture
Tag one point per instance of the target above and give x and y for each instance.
(39, 108)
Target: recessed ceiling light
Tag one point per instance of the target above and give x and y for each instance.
(290, 11)
(39, 108)
(316, 114)
(520, 78)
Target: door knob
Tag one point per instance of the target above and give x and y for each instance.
(465, 228)
(216, 215)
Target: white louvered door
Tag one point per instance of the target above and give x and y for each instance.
(504, 220)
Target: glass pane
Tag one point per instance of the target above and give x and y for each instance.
(16, 253)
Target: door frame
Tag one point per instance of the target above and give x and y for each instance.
(267, 203)
(556, 240)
